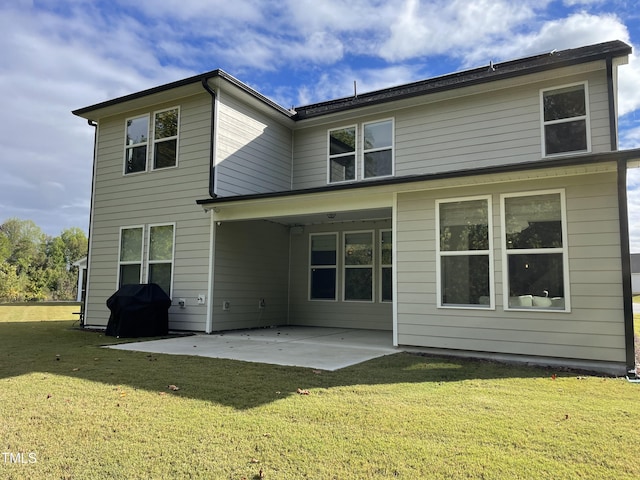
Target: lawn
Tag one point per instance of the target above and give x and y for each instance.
(72, 410)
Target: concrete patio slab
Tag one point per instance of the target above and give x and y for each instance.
(313, 347)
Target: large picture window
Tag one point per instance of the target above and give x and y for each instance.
(323, 266)
(465, 253)
(165, 138)
(565, 119)
(136, 140)
(535, 251)
(358, 266)
(342, 154)
(130, 256)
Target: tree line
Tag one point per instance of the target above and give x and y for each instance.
(38, 267)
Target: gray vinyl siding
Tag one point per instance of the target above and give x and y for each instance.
(253, 152)
(486, 129)
(251, 263)
(593, 330)
(368, 315)
(162, 196)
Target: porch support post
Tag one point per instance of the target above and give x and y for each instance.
(212, 255)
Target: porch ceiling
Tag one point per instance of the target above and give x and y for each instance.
(333, 217)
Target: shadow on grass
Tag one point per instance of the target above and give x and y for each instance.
(55, 347)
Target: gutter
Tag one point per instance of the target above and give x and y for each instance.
(212, 140)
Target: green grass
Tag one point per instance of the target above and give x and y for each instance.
(87, 412)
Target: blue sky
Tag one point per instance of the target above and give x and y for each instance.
(59, 55)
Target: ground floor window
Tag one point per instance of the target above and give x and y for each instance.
(345, 266)
(358, 266)
(535, 250)
(159, 241)
(323, 266)
(464, 253)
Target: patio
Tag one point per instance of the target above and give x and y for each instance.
(312, 347)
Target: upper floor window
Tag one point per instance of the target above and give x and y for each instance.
(165, 138)
(135, 150)
(342, 154)
(378, 149)
(352, 157)
(565, 119)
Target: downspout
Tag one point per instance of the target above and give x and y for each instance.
(212, 141)
(93, 124)
(212, 193)
(623, 219)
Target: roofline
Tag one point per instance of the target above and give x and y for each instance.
(622, 155)
(218, 73)
(485, 74)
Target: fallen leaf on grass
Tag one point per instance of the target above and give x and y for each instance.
(317, 372)
(49, 396)
(75, 369)
(268, 435)
(173, 387)
(255, 460)
(303, 392)
(554, 376)
(162, 393)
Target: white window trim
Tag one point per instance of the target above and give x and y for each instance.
(586, 117)
(335, 267)
(148, 252)
(139, 262)
(370, 266)
(164, 139)
(489, 252)
(330, 157)
(384, 265)
(127, 147)
(564, 250)
(379, 149)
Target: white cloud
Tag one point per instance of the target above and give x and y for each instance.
(573, 31)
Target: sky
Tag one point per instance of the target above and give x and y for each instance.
(60, 55)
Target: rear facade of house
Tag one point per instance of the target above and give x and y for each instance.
(479, 213)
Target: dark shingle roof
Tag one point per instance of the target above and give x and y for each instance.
(487, 73)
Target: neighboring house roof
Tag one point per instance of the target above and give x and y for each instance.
(487, 73)
(635, 263)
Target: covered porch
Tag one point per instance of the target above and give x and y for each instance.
(311, 260)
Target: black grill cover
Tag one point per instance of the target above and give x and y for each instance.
(139, 311)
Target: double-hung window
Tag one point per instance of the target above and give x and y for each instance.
(377, 149)
(159, 241)
(355, 156)
(323, 266)
(464, 253)
(535, 251)
(165, 138)
(358, 266)
(565, 126)
(342, 154)
(160, 256)
(136, 140)
(130, 256)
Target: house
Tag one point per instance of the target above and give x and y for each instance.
(478, 213)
